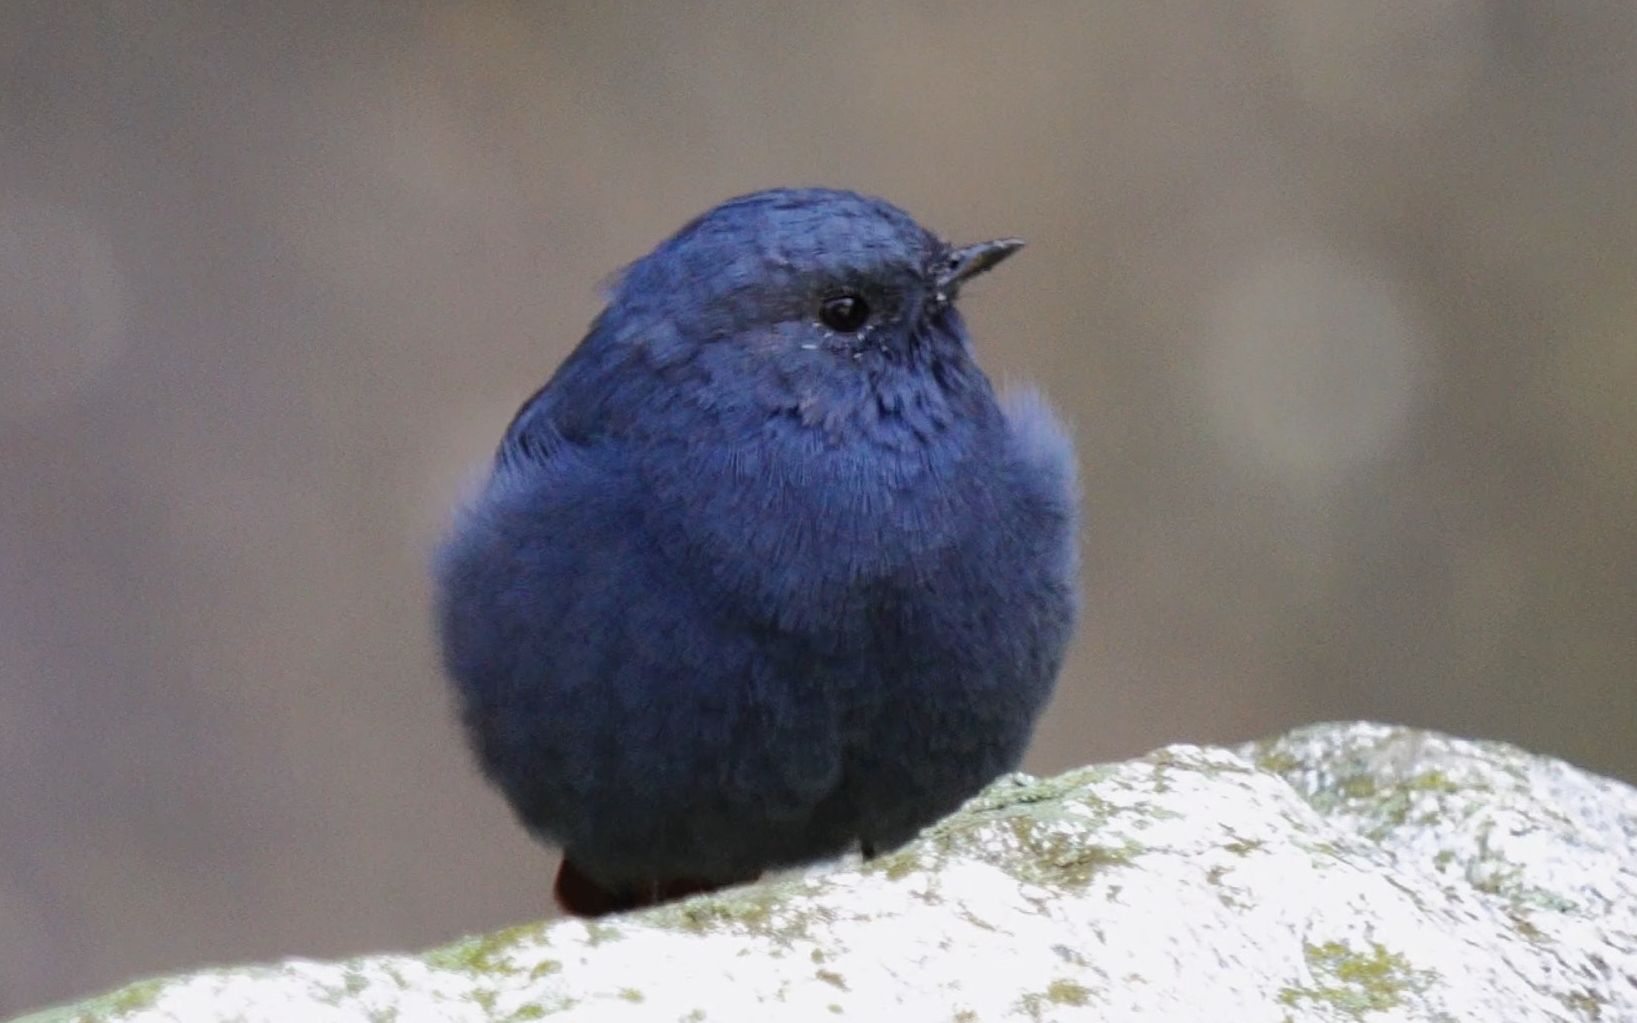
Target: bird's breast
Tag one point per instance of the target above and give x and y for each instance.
(800, 532)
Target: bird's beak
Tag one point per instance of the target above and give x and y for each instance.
(960, 265)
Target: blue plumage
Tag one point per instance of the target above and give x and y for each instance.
(765, 571)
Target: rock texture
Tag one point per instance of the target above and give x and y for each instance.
(1343, 872)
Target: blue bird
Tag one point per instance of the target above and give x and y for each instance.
(766, 571)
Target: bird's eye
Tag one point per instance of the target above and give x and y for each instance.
(845, 313)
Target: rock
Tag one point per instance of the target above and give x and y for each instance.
(1344, 872)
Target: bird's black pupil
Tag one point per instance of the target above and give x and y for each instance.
(845, 313)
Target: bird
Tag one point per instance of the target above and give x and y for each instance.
(768, 571)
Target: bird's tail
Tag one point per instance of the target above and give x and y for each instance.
(578, 895)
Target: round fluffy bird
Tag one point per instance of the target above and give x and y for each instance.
(766, 571)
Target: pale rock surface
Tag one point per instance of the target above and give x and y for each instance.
(1344, 872)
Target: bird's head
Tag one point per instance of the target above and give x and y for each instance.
(799, 275)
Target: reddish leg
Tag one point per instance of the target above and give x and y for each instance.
(578, 895)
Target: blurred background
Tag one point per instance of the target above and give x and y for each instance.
(1341, 299)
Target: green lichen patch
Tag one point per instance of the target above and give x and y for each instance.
(485, 955)
(109, 1008)
(1585, 1004)
(1504, 880)
(1525, 926)
(354, 983)
(1357, 982)
(1432, 781)
(1058, 994)
(1270, 755)
(127, 1001)
(898, 864)
(1045, 833)
(1067, 992)
(832, 978)
(1226, 894)
(764, 910)
(1052, 853)
(135, 997)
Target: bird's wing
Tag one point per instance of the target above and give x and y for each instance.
(531, 437)
(599, 392)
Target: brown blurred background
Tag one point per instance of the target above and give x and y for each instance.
(1342, 299)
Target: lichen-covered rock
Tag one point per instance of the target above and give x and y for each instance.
(1344, 872)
